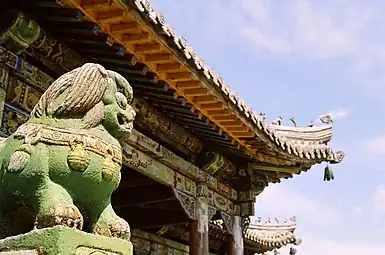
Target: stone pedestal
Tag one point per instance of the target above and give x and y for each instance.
(63, 241)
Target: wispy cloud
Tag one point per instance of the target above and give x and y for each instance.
(348, 34)
(375, 145)
(340, 114)
(285, 202)
(316, 246)
(281, 200)
(378, 199)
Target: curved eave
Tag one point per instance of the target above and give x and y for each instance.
(318, 134)
(193, 81)
(270, 236)
(273, 235)
(273, 239)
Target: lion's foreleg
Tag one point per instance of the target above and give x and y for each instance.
(111, 225)
(55, 207)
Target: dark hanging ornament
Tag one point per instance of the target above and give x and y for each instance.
(328, 174)
(293, 251)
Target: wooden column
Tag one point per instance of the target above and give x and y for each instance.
(199, 228)
(237, 234)
(4, 76)
(230, 245)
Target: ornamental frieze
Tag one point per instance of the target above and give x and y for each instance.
(160, 125)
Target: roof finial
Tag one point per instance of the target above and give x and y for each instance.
(326, 119)
(278, 121)
(293, 121)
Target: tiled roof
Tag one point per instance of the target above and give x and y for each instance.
(196, 83)
(308, 142)
(271, 234)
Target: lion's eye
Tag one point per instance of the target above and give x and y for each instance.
(121, 100)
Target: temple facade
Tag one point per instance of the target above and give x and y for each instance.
(198, 155)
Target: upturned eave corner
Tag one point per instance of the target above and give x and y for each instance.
(273, 233)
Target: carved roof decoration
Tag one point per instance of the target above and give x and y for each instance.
(173, 65)
(270, 233)
(309, 142)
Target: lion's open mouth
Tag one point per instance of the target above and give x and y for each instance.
(122, 120)
(125, 123)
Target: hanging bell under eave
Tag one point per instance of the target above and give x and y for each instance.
(328, 173)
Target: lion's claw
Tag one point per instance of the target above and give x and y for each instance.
(120, 229)
(62, 215)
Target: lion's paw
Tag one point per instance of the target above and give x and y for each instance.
(67, 215)
(120, 229)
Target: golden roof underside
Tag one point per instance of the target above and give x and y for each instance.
(144, 34)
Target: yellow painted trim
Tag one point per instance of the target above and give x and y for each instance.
(123, 13)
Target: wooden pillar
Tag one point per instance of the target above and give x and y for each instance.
(199, 228)
(230, 245)
(4, 76)
(238, 236)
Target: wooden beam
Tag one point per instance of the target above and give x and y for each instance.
(212, 106)
(123, 27)
(168, 67)
(188, 84)
(243, 134)
(232, 123)
(215, 113)
(144, 217)
(112, 16)
(178, 76)
(225, 117)
(204, 99)
(237, 129)
(147, 47)
(103, 5)
(194, 92)
(145, 194)
(136, 38)
(158, 58)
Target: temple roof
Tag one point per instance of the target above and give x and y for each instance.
(269, 234)
(133, 39)
(274, 235)
(292, 142)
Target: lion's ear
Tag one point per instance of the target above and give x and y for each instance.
(94, 116)
(109, 93)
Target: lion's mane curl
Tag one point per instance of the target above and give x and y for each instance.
(74, 93)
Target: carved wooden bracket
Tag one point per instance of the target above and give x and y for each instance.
(21, 32)
(211, 212)
(187, 203)
(228, 222)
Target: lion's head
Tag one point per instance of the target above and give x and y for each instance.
(87, 97)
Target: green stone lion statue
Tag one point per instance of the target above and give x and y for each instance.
(62, 165)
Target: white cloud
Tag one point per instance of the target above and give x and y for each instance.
(281, 200)
(375, 145)
(378, 199)
(340, 114)
(317, 246)
(277, 200)
(347, 33)
(358, 210)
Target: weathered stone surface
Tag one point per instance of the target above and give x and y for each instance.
(63, 241)
(62, 165)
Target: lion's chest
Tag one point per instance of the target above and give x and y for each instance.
(78, 168)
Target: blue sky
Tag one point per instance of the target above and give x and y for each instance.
(305, 58)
